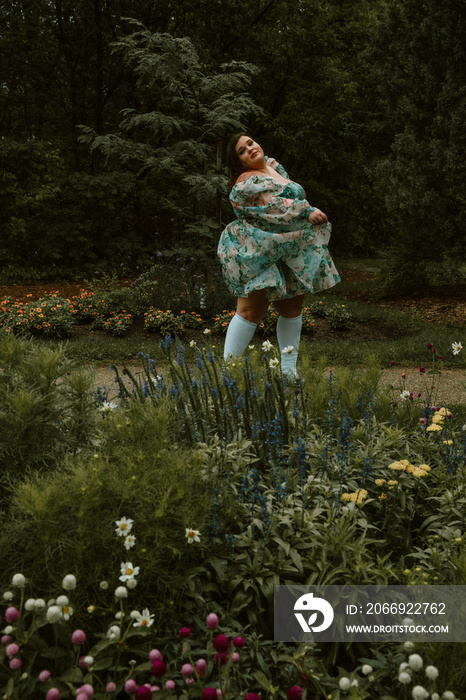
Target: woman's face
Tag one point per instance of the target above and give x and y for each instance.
(249, 153)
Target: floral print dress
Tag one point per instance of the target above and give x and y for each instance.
(271, 245)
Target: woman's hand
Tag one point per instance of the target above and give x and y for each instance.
(317, 217)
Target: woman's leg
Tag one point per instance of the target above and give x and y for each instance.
(250, 311)
(289, 326)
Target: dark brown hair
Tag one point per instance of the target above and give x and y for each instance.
(234, 165)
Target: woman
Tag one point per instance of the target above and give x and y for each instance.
(275, 250)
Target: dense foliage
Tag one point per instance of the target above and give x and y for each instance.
(112, 115)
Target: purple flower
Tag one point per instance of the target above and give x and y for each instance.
(212, 621)
(110, 687)
(53, 694)
(43, 675)
(220, 658)
(155, 655)
(86, 689)
(429, 346)
(158, 668)
(221, 643)
(15, 664)
(392, 363)
(201, 667)
(11, 614)
(78, 637)
(143, 693)
(184, 632)
(238, 642)
(169, 685)
(294, 693)
(422, 370)
(209, 694)
(131, 686)
(187, 670)
(251, 696)
(12, 650)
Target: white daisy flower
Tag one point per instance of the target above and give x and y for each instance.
(67, 612)
(113, 632)
(456, 347)
(128, 571)
(108, 406)
(192, 343)
(289, 349)
(130, 541)
(144, 619)
(192, 535)
(251, 347)
(123, 526)
(207, 331)
(404, 395)
(267, 345)
(273, 362)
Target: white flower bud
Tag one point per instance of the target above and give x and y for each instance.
(344, 683)
(40, 604)
(415, 661)
(121, 592)
(103, 585)
(62, 600)
(18, 580)
(8, 595)
(30, 604)
(420, 693)
(431, 672)
(366, 669)
(54, 614)
(131, 583)
(69, 582)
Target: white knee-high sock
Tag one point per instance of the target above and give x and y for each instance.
(239, 334)
(288, 335)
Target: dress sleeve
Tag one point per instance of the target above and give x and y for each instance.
(259, 200)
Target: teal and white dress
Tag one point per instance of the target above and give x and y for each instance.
(271, 245)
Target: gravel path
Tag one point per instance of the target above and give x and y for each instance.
(451, 386)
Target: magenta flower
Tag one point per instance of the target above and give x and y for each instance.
(209, 694)
(220, 658)
(169, 685)
(238, 642)
(201, 667)
(53, 694)
(422, 421)
(81, 696)
(187, 670)
(110, 687)
(43, 675)
(82, 664)
(184, 632)
(158, 668)
(86, 689)
(155, 655)
(295, 693)
(429, 346)
(392, 363)
(11, 614)
(212, 621)
(251, 696)
(131, 686)
(15, 664)
(143, 693)
(422, 370)
(12, 650)
(78, 637)
(221, 643)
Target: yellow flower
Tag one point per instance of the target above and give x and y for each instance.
(392, 483)
(380, 482)
(442, 411)
(448, 442)
(398, 465)
(346, 496)
(437, 418)
(425, 467)
(382, 496)
(433, 427)
(417, 471)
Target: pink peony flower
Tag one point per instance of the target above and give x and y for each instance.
(201, 667)
(158, 668)
(187, 670)
(169, 685)
(43, 675)
(221, 643)
(143, 693)
(238, 642)
(15, 664)
(155, 655)
(294, 693)
(12, 650)
(53, 694)
(209, 694)
(78, 637)
(110, 687)
(220, 658)
(212, 621)
(131, 686)
(11, 614)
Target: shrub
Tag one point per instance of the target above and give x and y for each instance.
(49, 317)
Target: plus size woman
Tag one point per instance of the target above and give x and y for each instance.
(275, 251)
